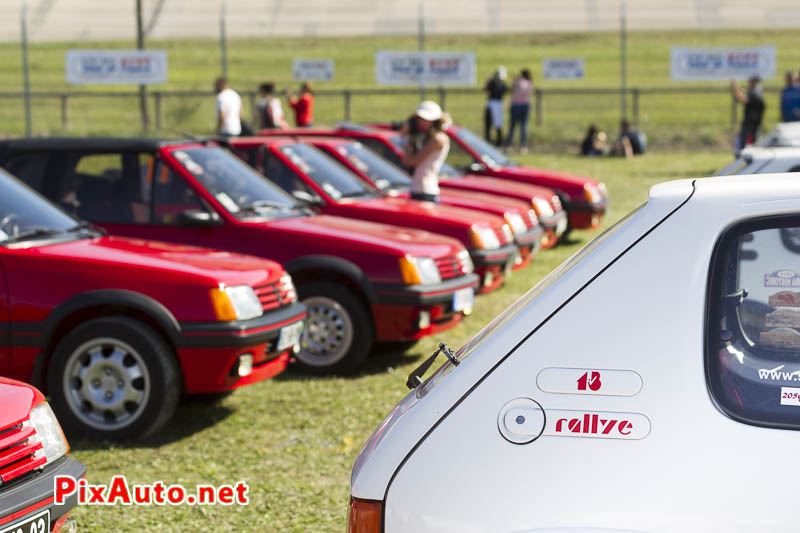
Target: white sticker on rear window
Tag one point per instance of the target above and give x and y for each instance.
(782, 278)
(790, 396)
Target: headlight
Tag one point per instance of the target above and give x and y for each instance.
(48, 432)
(532, 218)
(542, 207)
(286, 287)
(516, 222)
(419, 270)
(507, 235)
(235, 303)
(484, 237)
(591, 193)
(602, 188)
(466, 262)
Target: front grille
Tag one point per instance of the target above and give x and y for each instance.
(275, 295)
(18, 452)
(452, 266)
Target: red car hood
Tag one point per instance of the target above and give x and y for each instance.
(572, 184)
(406, 212)
(209, 267)
(480, 201)
(17, 400)
(370, 236)
(522, 191)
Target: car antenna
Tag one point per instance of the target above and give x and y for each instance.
(415, 377)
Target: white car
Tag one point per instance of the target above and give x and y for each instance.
(784, 134)
(759, 160)
(649, 384)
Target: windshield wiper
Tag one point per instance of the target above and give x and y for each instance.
(32, 234)
(415, 377)
(87, 226)
(258, 204)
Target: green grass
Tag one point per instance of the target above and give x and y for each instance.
(669, 119)
(294, 438)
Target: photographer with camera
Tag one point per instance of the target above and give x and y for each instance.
(427, 159)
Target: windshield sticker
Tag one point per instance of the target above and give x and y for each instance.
(780, 338)
(359, 164)
(782, 278)
(596, 424)
(332, 191)
(783, 318)
(227, 202)
(790, 396)
(785, 299)
(382, 184)
(778, 374)
(194, 168)
(180, 156)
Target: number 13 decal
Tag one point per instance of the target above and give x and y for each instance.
(590, 381)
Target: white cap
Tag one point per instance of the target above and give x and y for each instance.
(429, 110)
(501, 72)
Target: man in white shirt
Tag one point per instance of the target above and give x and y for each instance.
(229, 109)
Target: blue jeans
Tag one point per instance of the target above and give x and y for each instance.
(519, 114)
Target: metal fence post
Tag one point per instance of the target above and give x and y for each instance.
(635, 107)
(64, 112)
(442, 97)
(347, 97)
(734, 112)
(538, 101)
(159, 116)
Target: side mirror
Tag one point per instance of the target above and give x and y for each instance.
(199, 218)
(476, 168)
(307, 197)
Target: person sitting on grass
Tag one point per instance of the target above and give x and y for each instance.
(595, 143)
(630, 142)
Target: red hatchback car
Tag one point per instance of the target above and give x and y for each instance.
(309, 175)
(33, 452)
(361, 281)
(116, 329)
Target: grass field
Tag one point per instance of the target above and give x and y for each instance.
(294, 438)
(669, 119)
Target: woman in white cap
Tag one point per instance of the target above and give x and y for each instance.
(428, 120)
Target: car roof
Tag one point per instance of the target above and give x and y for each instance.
(771, 152)
(743, 188)
(100, 144)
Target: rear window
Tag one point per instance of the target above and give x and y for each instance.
(753, 354)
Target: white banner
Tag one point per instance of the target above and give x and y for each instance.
(566, 68)
(428, 68)
(312, 69)
(705, 64)
(116, 67)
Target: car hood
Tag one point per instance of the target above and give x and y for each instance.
(514, 189)
(17, 400)
(210, 267)
(572, 184)
(406, 212)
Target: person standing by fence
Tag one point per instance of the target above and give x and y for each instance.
(229, 109)
(520, 110)
(269, 112)
(303, 106)
(790, 99)
(493, 114)
(754, 107)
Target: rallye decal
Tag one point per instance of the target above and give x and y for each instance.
(596, 424)
(589, 381)
(784, 299)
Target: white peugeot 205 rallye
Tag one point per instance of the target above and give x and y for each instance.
(673, 407)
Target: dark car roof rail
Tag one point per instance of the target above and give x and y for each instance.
(99, 144)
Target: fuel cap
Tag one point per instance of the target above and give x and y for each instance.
(521, 421)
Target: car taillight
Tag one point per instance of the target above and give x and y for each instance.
(365, 516)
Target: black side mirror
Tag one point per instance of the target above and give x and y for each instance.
(476, 168)
(199, 218)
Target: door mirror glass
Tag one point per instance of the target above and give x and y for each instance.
(198, 217)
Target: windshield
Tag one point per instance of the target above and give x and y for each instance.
(737, 167)
(490, 156)
(335, 179)
(26, 216)
(523, 302)
(449, 171)
(381, 173)
(239, 188)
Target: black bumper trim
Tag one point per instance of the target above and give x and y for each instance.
(529, 237)
(424, 294)
(40, 487)
(586, 207)
(484, 258)
(552, 221)
(234, 334)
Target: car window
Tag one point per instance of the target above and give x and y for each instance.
(171, 196)
(753, 354)
(377, 146)
(330, 175)
(382, 173)
(458, 157)
(490, 155)
(287, 179)
(29, 168)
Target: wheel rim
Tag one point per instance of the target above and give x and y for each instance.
(106, 383)
(328, 333)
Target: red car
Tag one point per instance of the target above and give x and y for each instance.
(389, 144)
(116, 329)
(33, 451)
(392, 180)
(309, 175)
(361, 281)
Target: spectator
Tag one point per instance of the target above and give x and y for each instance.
(229, 109)
(520, 109)
(630, 142)
(269, 112)
(790, 99)
(303, 106)
(493, 114)
(429, 121)
(595, 143)
(754, 106)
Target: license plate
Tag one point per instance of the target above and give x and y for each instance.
(463, 299)
(290, 335)
(561, 226)
(39, 523)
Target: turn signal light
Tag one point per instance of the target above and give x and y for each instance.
(223, 307)
(365, 516)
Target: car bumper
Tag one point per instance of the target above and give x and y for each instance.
(213, 355)
(583, 215)
(494, 266)
(36, 494)
(528, 244)
(408, 312)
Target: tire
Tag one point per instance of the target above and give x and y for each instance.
(102, 362)
(338, 334)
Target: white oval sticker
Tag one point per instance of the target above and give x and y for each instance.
(589, 381)
(596, 424)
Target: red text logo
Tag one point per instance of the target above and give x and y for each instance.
(593, 424)
(590, 381)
